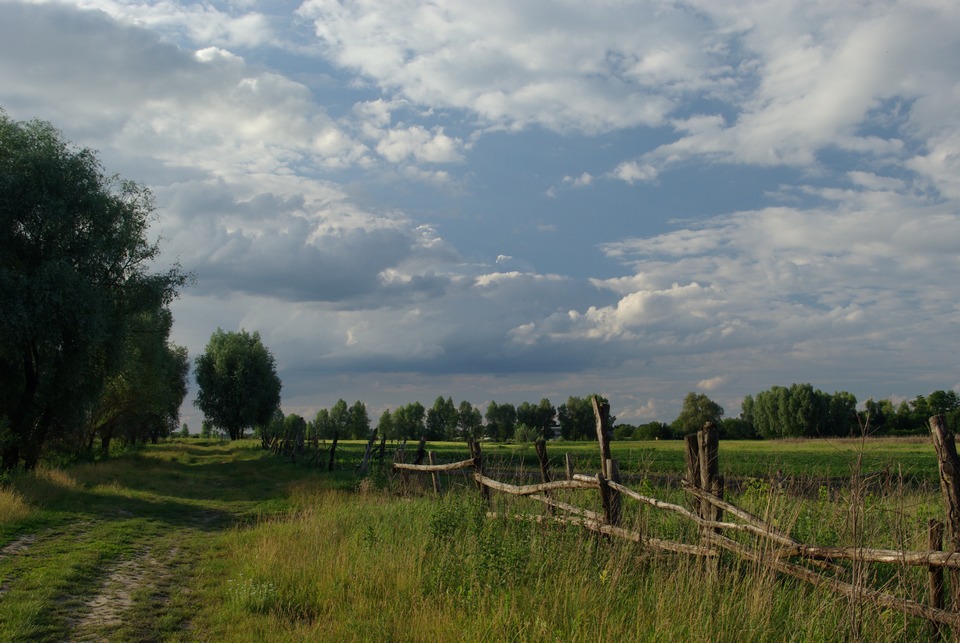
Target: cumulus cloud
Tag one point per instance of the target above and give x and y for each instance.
(536, 63)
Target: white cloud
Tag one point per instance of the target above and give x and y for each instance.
(567, 67)
(581, 181)
(632, 172)
(424, 146)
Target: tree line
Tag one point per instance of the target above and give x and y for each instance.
(573, 420)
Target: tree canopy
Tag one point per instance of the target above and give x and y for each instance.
(238, 383)
(74, 278)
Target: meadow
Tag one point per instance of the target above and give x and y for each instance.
(199, 540)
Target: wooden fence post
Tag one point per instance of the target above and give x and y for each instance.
(333, 450)
(432, 459)
(609, 471)
(949, 466)
(421, 450)
(935, 576)
(708, 446)
(601, 412)
(692, 454)
(568, 461)
(399, 457)
(477, 455)
(365, 463)
(541, 447)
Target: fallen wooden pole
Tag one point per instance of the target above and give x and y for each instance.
(619, 532)
(453, 466)
(851, 591)
(530, 489)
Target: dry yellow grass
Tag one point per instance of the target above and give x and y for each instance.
(13, 507)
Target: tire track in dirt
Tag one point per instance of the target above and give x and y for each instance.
(106, 609)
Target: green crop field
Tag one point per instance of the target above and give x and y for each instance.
(192, 540)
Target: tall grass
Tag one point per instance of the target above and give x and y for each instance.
(347, 566)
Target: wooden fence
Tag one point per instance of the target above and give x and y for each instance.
(718, 522)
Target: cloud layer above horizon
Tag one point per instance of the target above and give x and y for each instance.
(512, 201)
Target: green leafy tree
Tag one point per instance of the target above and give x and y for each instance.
(577, 419)
(238, 383)
(184, 430)
(540, 416)
(501, 421)
(653, 431)
(469, 420)
(75, 268)
(358, 422)
(697, 410)
(322, 425)
(141, 401)
(386, 426)
(409, 420)
(525, 433)
(340, 419)
(442, 420)
(271, 429)
(624, 431)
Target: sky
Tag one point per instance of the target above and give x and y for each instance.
(515, 200)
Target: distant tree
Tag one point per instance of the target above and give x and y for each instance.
(442, 420)
(75, 269)
(801, 411)
(206, 430)
(736, 429)
(238, 383)
(184, 430)
(321, 428)
(272, 428)
(577, 419)
(469, 420)
(540, 416)
(698, 409)
(340, 419)
(294, 429)
(842, 414)
(358, 421)
(501, 421)
(624, 431)
(386, 426)
(653, 431)
(525, 433)
(409, 420)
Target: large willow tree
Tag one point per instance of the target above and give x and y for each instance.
(74, 274)
(238, 383)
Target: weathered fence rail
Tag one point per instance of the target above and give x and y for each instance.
(715, 517)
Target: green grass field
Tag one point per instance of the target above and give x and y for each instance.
(198, 540)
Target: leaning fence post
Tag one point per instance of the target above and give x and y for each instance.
(541, 447)
(477, 456)
(609, 497)
(601, 412)
(949, 467)
(421, 450)
(432, 459)
(935, 576)
(333, 450)
(708, 446)
(692, 454)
